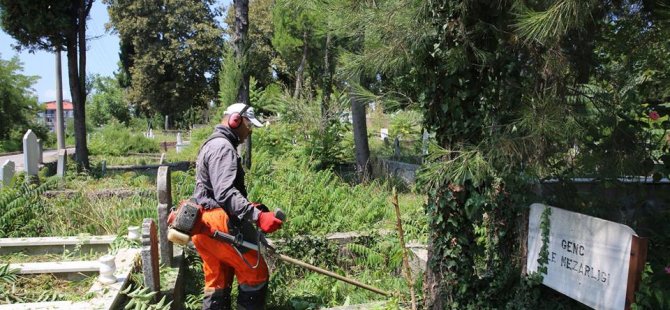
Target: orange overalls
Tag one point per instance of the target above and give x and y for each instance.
(221, 261)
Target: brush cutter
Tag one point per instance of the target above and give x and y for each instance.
(188, 214)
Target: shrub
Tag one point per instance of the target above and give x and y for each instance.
(116, 140)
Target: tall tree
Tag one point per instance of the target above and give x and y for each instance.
(18, 106)
(260, 52)
(56, 25)
(240, 46)
(170, 53)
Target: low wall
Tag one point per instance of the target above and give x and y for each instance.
(385, 167)
(637, 202)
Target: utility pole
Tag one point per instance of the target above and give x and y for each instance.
(60, 132)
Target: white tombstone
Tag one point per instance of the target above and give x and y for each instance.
(424, 148)
(61, 166)
(180, 143)
(384, 133)
(7, 173)
(40, 152)
(30, 153)
(151, 133)
(162, 159)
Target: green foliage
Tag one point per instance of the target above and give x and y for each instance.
(170, 52)
(106, 102)
(7, 275)
(230, 79)
(653, 292)
(143, 298)
(405, 125)
(18, 106)
(114, 139)
(22, 207)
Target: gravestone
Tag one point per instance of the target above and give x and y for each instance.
(151, 133)
(7, 173)
(384, 134)
(588, 257)
(164, 188)
(61, 166)
(162, 159)
(424, 146)
(40, 152)
(103, 167)
(150, 255)
(396, 148)
(30, 153)
(179, 143)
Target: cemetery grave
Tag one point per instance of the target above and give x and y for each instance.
(89, 207)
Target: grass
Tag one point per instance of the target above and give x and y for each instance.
(44, 287)
(67, 256)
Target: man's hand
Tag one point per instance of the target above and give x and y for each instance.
(268, 222)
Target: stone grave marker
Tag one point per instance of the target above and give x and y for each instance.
(384, 134)
(164, 188)
(150, 255)
(7, 173)
(40, 152)
(179, 142)
(30, 153)
(162, 162)
(589, 259)
(424, 146)
(103, 167)
(61, 166)
(396, 148)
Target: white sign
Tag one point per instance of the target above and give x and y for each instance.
(384, 133)
(588, 257)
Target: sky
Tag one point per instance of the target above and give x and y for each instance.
(102, 55)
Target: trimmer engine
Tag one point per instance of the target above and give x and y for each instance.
(182, 223)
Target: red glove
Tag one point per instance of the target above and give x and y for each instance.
(268, 222)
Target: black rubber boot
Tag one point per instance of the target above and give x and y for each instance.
(219, 299)
(252, 299)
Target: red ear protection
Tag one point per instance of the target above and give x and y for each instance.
(235, 119)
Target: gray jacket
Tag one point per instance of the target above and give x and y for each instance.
(219, 176)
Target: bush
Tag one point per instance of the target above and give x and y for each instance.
(116, 140)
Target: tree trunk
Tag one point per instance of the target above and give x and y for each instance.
(80, 105)
(360, 139)
(239, 46)
(327, 81)
(301, 68)
(432, 284)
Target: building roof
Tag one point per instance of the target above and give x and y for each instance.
(51, 105)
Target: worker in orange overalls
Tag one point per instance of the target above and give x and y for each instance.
(221, 192)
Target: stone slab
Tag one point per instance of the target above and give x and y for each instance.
(55, 245)
(107, 297)
(150, 267)
(56, 267)
(61, 166)
(7, 171)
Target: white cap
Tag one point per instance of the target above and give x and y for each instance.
(248, 113)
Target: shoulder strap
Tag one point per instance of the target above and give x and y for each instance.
(213, 136)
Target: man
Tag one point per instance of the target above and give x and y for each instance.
(221, 192)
